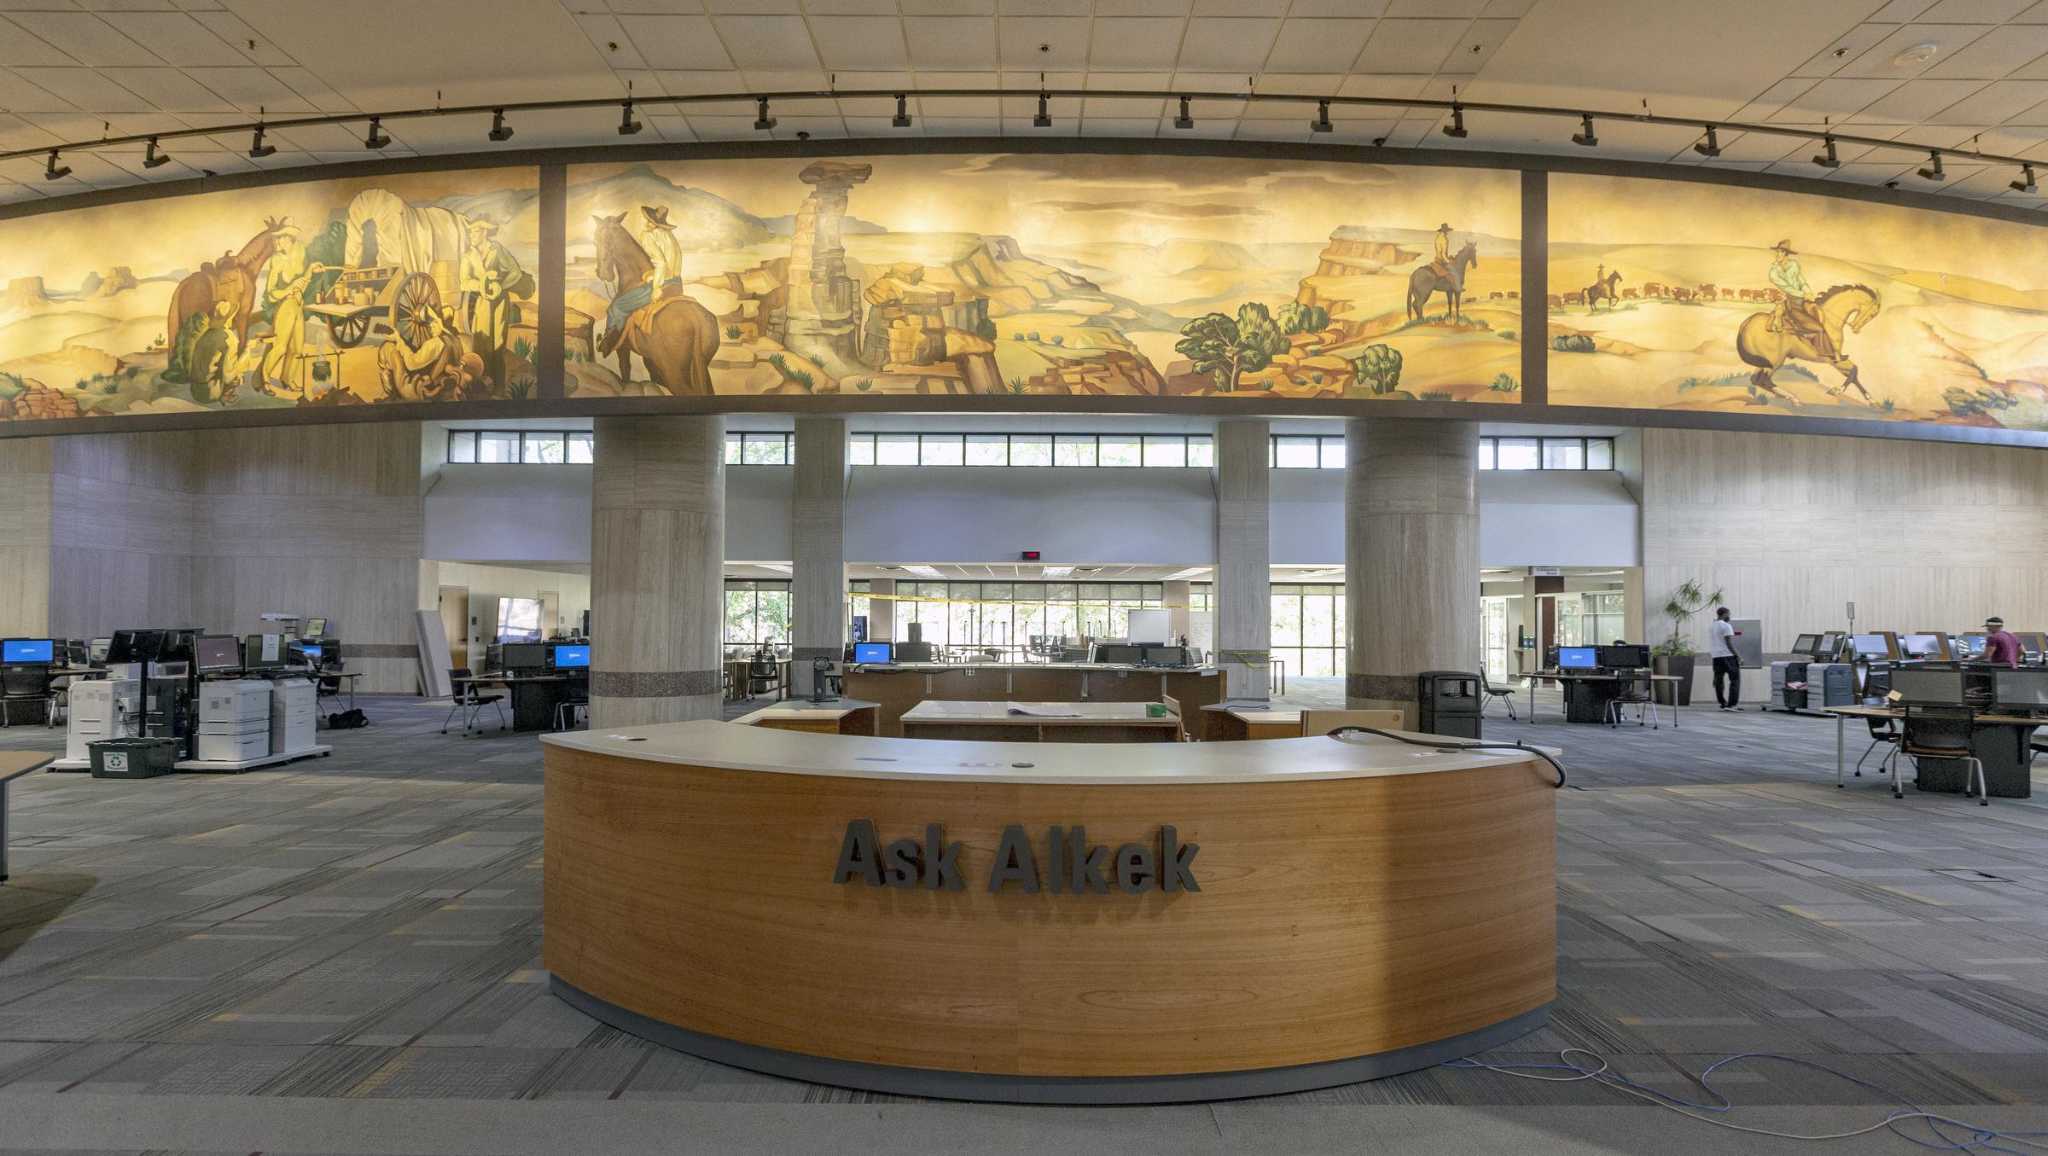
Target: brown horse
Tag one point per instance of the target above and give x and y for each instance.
(1604, 287)
(1426, 281)
(232, 278)
(674, 335)
(1842, 310)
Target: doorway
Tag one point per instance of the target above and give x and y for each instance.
(454, 605)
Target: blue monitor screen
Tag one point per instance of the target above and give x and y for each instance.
(28, 650)
(567, 657)
(873, 652)
(1576, 658)
(310, 650)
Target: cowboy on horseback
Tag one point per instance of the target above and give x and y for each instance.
(1796, 310)
(658, 238)
(1442, 264)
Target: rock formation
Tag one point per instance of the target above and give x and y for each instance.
(25, 295)
(823, 307)
(107, 282)
(38, 402)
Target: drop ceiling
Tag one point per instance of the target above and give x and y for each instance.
(1950, 73)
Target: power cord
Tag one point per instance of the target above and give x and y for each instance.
(1979, 1138)
(1458, 745)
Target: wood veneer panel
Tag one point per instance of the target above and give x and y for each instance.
(892, 692)
(1337, 918)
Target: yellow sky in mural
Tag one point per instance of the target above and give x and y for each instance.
(1629, 211)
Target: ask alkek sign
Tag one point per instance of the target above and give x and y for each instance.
(1070, 864)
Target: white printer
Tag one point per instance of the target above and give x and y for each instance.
(292, 715)
(232, 721)
(106, 708)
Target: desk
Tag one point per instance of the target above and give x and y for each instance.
(1587, 708)
(841, 716)
(345, 683)
(736, 671)
(13, 765)
(2008, 759)
(896, 687)
(1227, 722)
(1061, 722)
(534, 696)
(1301, 961)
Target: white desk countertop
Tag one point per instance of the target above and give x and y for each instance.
(744, 748)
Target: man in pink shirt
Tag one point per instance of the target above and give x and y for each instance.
(2001, 648)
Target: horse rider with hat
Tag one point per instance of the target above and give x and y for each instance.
(1796, 310)
(1442, 264)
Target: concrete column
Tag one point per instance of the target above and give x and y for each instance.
(881, 610)
(1244, 553)
(818, 589)
(1411, 555)
(1177, 595)
(657, 559)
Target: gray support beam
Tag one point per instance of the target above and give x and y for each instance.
(1244, 553)
(818, 589)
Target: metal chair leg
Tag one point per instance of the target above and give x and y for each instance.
(1983, 787)
(453, 707)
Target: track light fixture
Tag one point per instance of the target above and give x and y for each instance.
(1186, 119)
(762, 121)
(1931, 171)
(500, 131)
(1828, 159)
(376, 138)
(902, 117)
(1322, 121)
(1044, 117)
(1710, 147)
(627, 125)
(1456, 129)
(152, 158)
(1584, 138)
(54, 171)
(257, 149)
(2026, 182)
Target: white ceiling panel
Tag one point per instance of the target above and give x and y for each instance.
(18, 94)
(1120, 43)
(673, 41)
(84, 88)
(1409, 45)
(1054, 42)
(952, 43)
(1228, 44)
(768, 42)
(866, 43)
(84, 37)
(178, 38)
(1314, 45)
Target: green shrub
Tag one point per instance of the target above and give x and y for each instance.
(1572, 343)
(732, 333)
(1436, 395)
(1378, 368)
(1505, 383)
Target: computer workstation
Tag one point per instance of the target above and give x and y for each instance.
(546, 682)
(1597, 681)
(1951, 714)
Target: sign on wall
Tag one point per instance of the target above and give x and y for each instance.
(403, 288)
(1003, 274)
(1672, 295)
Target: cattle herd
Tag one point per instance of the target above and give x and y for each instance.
(1657, 291)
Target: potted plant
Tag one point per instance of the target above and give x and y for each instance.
(1675, 654)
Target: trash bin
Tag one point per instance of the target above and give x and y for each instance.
(1447, 703)
(132, 758)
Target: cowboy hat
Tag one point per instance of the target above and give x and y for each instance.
(657, 216)
(1784, 247)
(1444, 228)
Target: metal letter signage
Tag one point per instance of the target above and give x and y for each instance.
(1072, 865)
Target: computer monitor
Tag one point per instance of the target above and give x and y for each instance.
(1870, 645)
(1830, 645)
(311, 649)
(1805, 644)
(873, 653)
(1578, 657)
(1920, 645)
(215, 653)
(523, 656)
(263, 652)
(1164, 656)
(98, 652)
(1928, 687)
(28, 651)
(135, 645)
(1632, 656)
(1968, 645)
(570, 657)
(316, 628)
(2020, 689)
(1119, 653)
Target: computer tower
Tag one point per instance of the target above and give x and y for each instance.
(1830, 684)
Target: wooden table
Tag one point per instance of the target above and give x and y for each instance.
(1228, 722)
(1844, 713)
(13, 765)
(1562, 677)
(1040, 722)
(841, 716)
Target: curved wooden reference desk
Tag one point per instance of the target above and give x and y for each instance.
(1168, 922)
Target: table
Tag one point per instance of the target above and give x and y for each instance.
(1364, 907)
(2008, 774)
(896, 687)
(1043, 722)
(840, 716)
(13, 765)
(1229, 722)
(534, 696)
(345, 683)
(1565, 679)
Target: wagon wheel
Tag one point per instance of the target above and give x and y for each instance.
(349, 328)
(415, 309)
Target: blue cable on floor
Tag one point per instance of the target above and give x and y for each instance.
(1980, 1138)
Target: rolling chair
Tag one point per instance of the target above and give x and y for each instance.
(470, 702)
(1489, 693)
(1322, 722)
(568, 710)
(1635, 692)
(1939, 732)
(20, 685)
(1883, 732)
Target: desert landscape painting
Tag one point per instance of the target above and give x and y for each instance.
(1029, 274)
(1667, 295)
(319, 293)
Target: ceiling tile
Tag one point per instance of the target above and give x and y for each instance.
(1882, 58)
(778, 42)
(1436, 7)
(179, 39)
(1995, 55)
(1113, 126)
(251, 89)
(1900, 11)
(681, 83)
(1349, 9)
(1757, 146)
(1772, 99)
(234, 30)
(84, 88)
(850, 7)
(1046, 7)
(1512, 9)
(19, 95)
(18, 47)
(680, 42)
(1995, 103)
(1974, 11)
(951, 42)
(1306, 84)
(1836, 97)
(1409, 45)
(1847, 47)
(1124, 108)
(721, 7)
(85, 38)
(314, 90)
(1918, 100)
(1056, 42)
(611, 40)
(1315, 45)
(1477, 46)
(1228, 44)
(1142, 8)
(724, 128)
(2038, 14)
(948, 7)
(860, 42)
(1135, 42)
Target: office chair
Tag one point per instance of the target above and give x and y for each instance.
(470, 701)
(571, 711)
(1940, 732)
(22, 684)
(1882, 732)
(1322, 722)
(1635, 692)
(1490, 692)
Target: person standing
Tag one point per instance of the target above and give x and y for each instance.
(2001, 647)
(1727, 664)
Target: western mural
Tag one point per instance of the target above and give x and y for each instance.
(323, 293)
(1667, 295)
(1033, 274)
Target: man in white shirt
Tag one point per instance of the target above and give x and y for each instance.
(1727, 664)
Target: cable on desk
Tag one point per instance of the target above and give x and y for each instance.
(1456, 745)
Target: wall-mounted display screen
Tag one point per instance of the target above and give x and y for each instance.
(1041, 274)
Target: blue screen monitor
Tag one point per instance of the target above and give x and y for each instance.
(28, 651)
(1577, 657)
(572, 657)
(311, 650)
(873, 652)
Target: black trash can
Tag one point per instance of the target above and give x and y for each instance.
(1447, 703)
